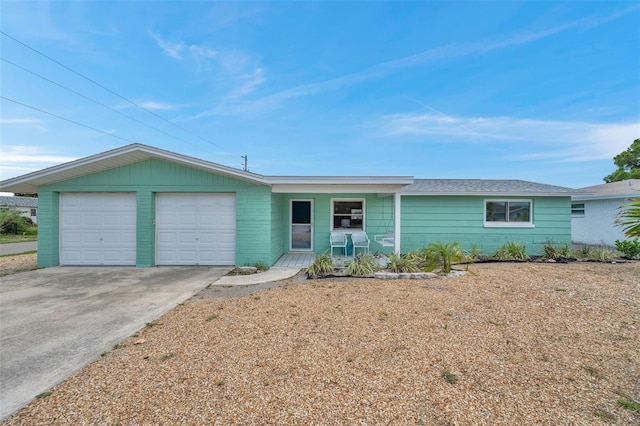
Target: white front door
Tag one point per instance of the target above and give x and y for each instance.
(301, 231)
(97, 229)
(196, 229)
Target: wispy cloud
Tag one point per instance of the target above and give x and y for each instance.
(24, 159)
(172, 50)
(176, 50)
(384, 69)
(32, 122)
(543, 139)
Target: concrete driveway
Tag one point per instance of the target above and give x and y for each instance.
(54, 321)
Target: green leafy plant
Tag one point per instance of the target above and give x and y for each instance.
(323, 265)
(601, 254)
(362, 266)
(260, 266)
(511, 251)
(12, 222)
(450, 377)
(630, 248)
(629, 218)
(445, 253)
(559, 252)
(403, 263)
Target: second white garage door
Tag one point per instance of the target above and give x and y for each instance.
(196, 229)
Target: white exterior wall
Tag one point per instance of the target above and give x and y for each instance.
(597, 227)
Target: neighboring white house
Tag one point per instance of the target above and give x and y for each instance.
(27, 205)
(593, 214)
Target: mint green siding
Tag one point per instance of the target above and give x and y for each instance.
(279, 226)
(378, 217)
(426, 219)
(146, 179)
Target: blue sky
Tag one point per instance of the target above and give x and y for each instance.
(540, 91)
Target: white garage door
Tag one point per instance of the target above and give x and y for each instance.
(196, 229)
(98, 229)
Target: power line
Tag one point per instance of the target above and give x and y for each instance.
(92, 100)
(107, 89)
(67, 119)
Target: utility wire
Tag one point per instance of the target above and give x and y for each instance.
(67, 119)
(92, 100)
(107, 89)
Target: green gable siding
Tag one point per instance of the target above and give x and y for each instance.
(426, 219)
(146, 179)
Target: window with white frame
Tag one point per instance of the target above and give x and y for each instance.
(347, 214)
(508, 213)
(577, 209)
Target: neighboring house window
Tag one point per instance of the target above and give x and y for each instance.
(33, 212)
(347, 214)
(508, 213)
(577, 209)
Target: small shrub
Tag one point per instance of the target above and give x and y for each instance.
(450, 377)
(511, 251)
(403, 263)
(552, 252)
(322, 266)
(261, 267)
(362, 266)
(12, 221)
(630, 248)
(601, 254)
(445, 253)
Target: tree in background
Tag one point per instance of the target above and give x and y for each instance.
(628, 163)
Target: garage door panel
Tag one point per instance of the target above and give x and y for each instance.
(195, 229)
(98, 229)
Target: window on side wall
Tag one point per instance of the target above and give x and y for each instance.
(508, 213)
(347, 215)
(577, 209)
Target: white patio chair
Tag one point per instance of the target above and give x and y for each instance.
(338, 240)
(360, 240)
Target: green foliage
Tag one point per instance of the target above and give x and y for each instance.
(450, 377)
(559, 252)
(601, 254)
(404, 263)
(12, 222)
(322, 266)
(260, 266)
(629, 218)
(511, 251)
(628, 163)
(362, 266)
(630, 248)
(445, 253)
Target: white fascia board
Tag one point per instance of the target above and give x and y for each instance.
(489, 194)
(340, 180)
(336, 188)
(604, 197)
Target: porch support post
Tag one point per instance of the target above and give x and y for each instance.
(396, 220)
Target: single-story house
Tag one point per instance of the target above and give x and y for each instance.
(28, 206)
(593, 213)
(144, 206)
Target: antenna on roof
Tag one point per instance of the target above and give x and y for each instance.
(246, 158)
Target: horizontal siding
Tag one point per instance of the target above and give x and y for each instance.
(149, 177)
(426, 219)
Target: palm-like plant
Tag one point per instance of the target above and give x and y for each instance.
(629, 218)
(446, 253)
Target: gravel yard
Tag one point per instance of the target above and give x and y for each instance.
(18, 263)
(508, 343)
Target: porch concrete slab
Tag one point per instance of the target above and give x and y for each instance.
(273, 274)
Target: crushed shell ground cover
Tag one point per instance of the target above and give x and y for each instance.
(508, 343)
